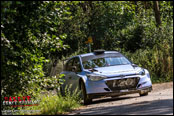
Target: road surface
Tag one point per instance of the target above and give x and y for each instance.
(159, 101)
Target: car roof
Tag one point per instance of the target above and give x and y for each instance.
(92, 53)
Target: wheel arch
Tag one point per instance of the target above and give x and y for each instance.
(80, 82)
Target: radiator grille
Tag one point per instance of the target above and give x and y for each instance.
(121, 84)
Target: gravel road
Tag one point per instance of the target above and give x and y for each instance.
(159, 101)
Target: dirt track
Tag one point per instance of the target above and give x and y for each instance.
(159, 101)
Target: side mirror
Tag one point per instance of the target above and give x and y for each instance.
(134, 65)
(73, 68)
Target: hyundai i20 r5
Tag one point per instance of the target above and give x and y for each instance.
(105, 73)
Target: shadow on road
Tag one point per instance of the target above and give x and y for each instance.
(108, 99)
(142, 108)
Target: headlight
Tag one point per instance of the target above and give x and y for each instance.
(94, 77)
(141, 72)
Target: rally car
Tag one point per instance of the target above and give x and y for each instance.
(105, 73)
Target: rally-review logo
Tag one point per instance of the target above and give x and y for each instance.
(19, 101)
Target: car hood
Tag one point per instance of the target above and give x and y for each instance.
(117, 70)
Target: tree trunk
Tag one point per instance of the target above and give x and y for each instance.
(157, 13)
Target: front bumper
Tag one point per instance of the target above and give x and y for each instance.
(108, 94)
(104, 88)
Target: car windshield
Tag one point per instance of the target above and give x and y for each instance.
(104, 62)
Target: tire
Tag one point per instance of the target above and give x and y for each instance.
(86, 98)
(143, 93)
(61, 92)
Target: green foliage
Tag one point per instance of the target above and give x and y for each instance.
(52, 104)
(158, 59)
(29, 41)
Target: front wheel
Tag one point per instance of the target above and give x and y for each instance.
(143, 93)
(86, 98)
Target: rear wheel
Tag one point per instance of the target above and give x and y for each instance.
(62, 92)
(86, 98)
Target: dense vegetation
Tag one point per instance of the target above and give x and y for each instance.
(35, 35)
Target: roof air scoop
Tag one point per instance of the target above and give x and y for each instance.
(100, 51)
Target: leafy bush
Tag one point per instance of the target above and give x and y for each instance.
(158, 59)
(52, 104)
(29, 40)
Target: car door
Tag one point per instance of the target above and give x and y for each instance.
(75, 75)
(71, 74)
(67, 72)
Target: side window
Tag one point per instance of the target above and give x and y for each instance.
(77, 64)
(69, 65)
